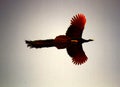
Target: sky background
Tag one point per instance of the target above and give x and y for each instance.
(22, 20)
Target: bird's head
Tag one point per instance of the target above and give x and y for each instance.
(83, 40)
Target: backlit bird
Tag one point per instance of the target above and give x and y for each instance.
(72, 41)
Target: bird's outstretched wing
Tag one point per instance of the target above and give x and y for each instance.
(77, 25)
(77, 54)
(75, 32)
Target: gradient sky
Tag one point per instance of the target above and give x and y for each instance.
(49, 67)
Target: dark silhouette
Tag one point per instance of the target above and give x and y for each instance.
(72, 41)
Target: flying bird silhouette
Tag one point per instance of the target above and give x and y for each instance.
(72, 41)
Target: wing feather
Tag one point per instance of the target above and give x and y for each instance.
(77, 25)
(77, 54)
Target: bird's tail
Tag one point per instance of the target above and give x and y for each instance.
(40, 43)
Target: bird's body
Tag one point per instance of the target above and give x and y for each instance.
(72, 41)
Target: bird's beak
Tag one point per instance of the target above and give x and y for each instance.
(91, 39)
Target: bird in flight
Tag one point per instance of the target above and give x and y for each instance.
(72, 41)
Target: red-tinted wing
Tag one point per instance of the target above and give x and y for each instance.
(77, 54)
(77, 25)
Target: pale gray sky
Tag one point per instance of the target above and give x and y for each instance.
(49, 67)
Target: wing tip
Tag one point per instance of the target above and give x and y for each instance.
(78, 20)
(79, 61)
